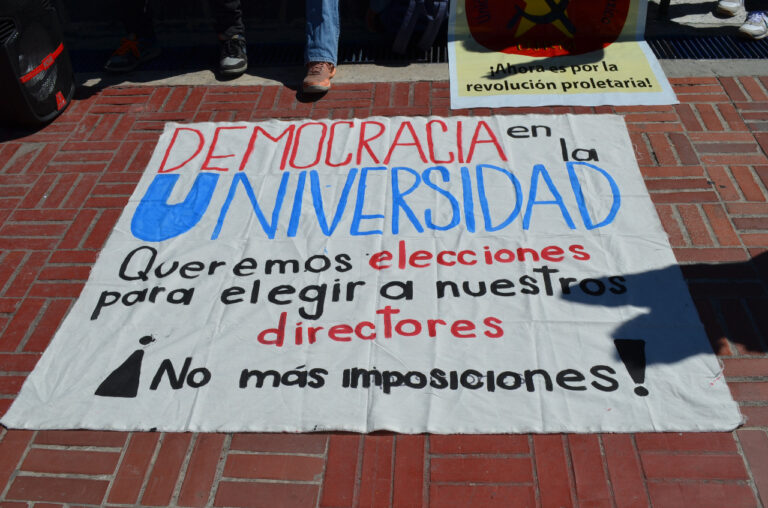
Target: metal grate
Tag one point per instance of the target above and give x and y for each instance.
(709, 48)
(278, 55)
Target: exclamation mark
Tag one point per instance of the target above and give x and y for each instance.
(632, 354)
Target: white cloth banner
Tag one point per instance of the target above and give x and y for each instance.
(448, 275)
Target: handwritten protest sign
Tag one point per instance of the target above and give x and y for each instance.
(469, 274)
(552, 52)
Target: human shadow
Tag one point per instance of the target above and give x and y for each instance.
(661, 314)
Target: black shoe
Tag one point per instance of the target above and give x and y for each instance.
(233, 59)
(131, 53)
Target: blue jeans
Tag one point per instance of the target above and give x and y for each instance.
(322, 31)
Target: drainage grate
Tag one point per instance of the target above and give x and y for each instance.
(709, 48)
(278, 55)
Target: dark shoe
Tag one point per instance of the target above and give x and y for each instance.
(319, 76)
(233, 59)
(131, 53)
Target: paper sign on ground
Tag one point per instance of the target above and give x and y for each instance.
(449, 275)
(552, 52)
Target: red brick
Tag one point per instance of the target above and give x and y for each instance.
(63, 490)
(266, 495)
(5, 405)
(754, 391)
(721, 225)
(409, 471)
(755, 446)
(376, 474)
(280, 443)
(274, 467)
(671, 226)
(725, 187)
(692, 466)
(133, 468)
(165, 472)
(701, 495)
(47, 326)
(720, 442)
(588, 470)
(27, 229)
(20, 323)
(732, 117)
(70, 462)
(78, 229)
(81, 438)
(685, 151)
(12, 447)
(726, 148)
(9, 265)
(731, 86)
(10, 385)
(662, 149)
(52, 290)
(101, 229)
(18, 362)
(755, 240)
(684, 197)
(196, 488)
(757, 416)
(753, 88)
(554, 483)
(709, 255)
(625, 471)
(485, 496)
(474, 444)
(694, 225)
(642, 154)
(26, 274)
(481, 470)
(746, 181)
(341, 470)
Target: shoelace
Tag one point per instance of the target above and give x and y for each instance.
(317, 68)
(756, 18)
(232, 47)
(126, 45)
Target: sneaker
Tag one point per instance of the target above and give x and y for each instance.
(131, 53)
(233, 59)
(756, 25)
(319, 76)
(729, 7)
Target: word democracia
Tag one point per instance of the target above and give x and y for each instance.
(447, 192)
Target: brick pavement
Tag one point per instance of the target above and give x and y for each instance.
(62, 189)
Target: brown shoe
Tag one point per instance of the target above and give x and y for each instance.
(319, 76)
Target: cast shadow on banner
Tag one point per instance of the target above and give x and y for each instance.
(586, 59)
(716, 290)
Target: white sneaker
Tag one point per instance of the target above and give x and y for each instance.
(756, 25)
(729, 7)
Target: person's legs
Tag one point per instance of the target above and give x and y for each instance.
(136, 16)
(228, 22)
(228, 18)
(140, 43)
(756, 25)
(322, 44)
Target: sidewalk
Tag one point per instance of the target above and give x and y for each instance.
(62, 189)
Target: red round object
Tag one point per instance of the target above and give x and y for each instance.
(546, 28)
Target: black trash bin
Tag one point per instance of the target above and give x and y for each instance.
(36, 78)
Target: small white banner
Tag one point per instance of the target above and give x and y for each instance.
(448, 275)
(552, 52)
